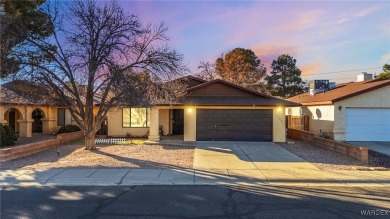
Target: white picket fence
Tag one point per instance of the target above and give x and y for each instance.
(109, 140)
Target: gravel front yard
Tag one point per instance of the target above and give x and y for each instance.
(330, 160)
(112, 156)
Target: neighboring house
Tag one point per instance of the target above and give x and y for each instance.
(357, 111)
(214, 110)
(27, 108)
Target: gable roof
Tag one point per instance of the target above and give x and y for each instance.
(235, 86)
(230, 95)
(341, 92)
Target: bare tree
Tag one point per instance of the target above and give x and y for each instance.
(100, 56)
(207, 71)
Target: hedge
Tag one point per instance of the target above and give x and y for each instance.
(7, 136)
(68, 128)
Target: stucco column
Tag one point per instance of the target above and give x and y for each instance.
(49, 126)
(2, 112)
(190, 124)
(279, 124)
(154, 134)
(25, 128)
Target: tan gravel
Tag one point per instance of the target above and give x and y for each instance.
(113, 156)
(323, 158)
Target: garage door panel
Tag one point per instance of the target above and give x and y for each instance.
(367, 124)
(234, 125)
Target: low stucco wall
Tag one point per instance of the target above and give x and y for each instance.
(16, 152)
(360, 153)
(379, 98)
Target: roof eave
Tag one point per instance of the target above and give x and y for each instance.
(360, 92)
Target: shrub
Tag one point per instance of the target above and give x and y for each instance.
(68, 128)
(7, 136)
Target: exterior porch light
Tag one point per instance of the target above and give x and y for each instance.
(279, 109)
(190, 110)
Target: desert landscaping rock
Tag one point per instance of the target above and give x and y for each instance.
(111, 156)
(330, 160)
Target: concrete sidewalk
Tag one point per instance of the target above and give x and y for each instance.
(126, 177)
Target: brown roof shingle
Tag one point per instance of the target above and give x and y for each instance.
(339, 93)
(24, 92)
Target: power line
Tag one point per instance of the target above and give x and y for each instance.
(333, 72)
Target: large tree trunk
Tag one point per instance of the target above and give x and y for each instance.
(90, 142)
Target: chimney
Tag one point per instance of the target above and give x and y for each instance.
(364, 77)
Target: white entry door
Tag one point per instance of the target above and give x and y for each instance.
(367, 124)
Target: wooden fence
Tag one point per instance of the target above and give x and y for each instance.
(298, 122)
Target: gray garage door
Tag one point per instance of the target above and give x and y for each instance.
(233, 125)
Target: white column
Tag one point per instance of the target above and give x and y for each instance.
(154, 134)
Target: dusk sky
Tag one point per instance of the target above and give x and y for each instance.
(323, 36)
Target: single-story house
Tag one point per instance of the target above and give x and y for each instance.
(212, 110)
(356, 111)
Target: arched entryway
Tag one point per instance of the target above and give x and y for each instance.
(12, 115)
(37, 125)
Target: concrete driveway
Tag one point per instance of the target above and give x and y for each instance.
(378, 146)
(259, 161)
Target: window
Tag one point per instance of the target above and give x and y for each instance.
(135, 117)
(61, 116)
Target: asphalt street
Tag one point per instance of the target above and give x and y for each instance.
(194, 202)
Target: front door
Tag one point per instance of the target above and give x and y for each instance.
(12, 120)
(103, 127)
(177, 122)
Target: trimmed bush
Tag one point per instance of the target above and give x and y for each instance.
(7, 136)
(68, 128)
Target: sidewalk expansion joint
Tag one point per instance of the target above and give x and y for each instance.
(120, 182)
(54, 176)
(92, 173)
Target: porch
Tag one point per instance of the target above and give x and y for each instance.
(172, 125)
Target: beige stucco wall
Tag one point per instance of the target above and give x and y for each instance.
(279, 125)
(115, 128)
(164, 120)
(321, 117)
(379, 98)
(190, 123)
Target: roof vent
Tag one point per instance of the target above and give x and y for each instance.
(364, 77)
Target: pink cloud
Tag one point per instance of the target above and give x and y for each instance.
(269, 51)
(311, 68)
(369, 10)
